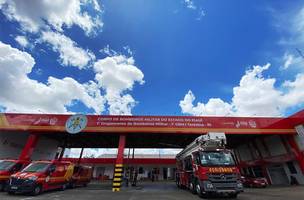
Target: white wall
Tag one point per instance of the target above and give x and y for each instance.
(109, 170)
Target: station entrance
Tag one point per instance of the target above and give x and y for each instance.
(268, 147)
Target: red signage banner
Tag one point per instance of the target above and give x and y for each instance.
(172, 124)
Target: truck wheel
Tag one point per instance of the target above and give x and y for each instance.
(199, 190)
(36, 190)
(63, 187)
(178, 183)
(192, 188)
(72, 185)
(233, 196)
(2, 187)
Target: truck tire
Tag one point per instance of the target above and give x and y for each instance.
(233, 196)
(192, 186)
(72, 185)
(37, 190)
(63, 187)
(199, 190)
(177, 183)
(2, 187)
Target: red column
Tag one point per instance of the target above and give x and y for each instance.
(28, 149)
(297, 152)
(118, 169)
(121, 148)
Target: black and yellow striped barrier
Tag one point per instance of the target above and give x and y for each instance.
(117, 178)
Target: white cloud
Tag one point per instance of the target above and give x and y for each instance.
(255, 96)
(108, 51)
(291, 60)
(201, 14)
(190, 4)
(114, 75)
(291, 24)
(69, 52)
(214, 106)
(295, 91)
(288, 60)
(22, 41)
(19, 93)
(297, 27)
(36, 14)
(117, 75)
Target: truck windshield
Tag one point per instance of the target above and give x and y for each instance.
(216, 158)
(36, 167)
(6, 165)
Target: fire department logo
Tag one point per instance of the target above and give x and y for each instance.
(76, 124)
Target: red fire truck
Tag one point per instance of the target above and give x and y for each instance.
(9, 167)
(41, 176)
(207, 168)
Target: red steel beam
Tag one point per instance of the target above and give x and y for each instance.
(28, 149)
(121, 148)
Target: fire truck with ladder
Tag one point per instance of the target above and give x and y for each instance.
(207, 168)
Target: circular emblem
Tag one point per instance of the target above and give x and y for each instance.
(76, 124)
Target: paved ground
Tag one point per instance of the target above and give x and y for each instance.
(156, 191)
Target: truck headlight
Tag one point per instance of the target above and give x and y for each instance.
(239, 185)
(209, 186)
(32, 178)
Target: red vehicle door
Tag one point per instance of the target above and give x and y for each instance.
(56, 178)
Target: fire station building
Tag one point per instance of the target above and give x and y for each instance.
(272, 147)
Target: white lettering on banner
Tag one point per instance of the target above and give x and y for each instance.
(46, 120)
(151, 121)
(251, 124)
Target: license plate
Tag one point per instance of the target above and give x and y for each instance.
(14, 187)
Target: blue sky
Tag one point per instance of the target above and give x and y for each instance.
(152, 57)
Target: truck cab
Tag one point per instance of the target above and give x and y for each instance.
(9, 167)
(216, 172)
(41, 176)
(207, 168)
